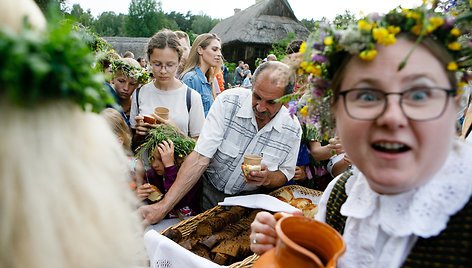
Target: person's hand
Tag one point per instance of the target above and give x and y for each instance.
(300, 173)
(166, 149)
(143, 191)
(347, 159)
(263, 235)
(141, 126)
(152, 213)
(335, 146)
(258, 178)
(167, 121)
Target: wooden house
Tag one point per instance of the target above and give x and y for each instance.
(249, 34)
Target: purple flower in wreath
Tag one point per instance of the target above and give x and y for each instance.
(375, 16)
(292, 108)
(319, 58)
(318, 46)
(449, 22)
(317, 92)
(320, 83)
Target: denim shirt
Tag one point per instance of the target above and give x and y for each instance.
(196, 80)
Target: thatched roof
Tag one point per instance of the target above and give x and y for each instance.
(137, 45)
(265, 22)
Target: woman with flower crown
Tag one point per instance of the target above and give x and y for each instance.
(395, 84)
(61, 203)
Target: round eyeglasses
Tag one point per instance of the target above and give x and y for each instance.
(169, 67)
(419, 103)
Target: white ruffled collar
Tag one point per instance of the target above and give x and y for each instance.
(424, 211)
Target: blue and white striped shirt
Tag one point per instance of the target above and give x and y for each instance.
(230, 132)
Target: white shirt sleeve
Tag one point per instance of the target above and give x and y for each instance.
(196, 115)
(213, 130)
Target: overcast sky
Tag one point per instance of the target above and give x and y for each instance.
(303, 9)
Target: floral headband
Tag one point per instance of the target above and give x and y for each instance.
(325, 50)
(50, 65)
(139, 74)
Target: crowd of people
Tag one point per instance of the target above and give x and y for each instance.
(395, 174)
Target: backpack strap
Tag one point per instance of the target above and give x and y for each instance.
(137, 99)
(188, 96)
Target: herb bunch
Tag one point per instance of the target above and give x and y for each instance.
(183, 145)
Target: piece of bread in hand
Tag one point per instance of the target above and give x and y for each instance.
(156, 195)
(286, 194)
(149, 119)
(310, 210)
(248, 168)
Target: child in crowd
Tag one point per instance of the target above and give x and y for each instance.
(127, 76)
(123, 133)
(167, 148)
(185, 104)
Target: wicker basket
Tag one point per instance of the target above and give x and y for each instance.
(249, 261)
(186, 227)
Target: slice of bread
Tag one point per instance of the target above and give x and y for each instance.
(300, 203)
(286, 194)
(149, 119)
(310, 210)
(248, 168)
(156, 195)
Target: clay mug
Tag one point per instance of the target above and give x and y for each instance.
(253, 160)
(251, 163)
(162, 112)
(302, 242)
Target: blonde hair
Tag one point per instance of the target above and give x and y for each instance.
(193, 60)
(182, 34)
(12, 13)
(119, 127)
(64, 199)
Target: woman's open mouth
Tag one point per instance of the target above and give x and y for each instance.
(390, 147)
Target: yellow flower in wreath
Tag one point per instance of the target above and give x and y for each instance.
(452, 66)
(328, 40)
(368, 55)
(302, 47)
(304, 111)
(454, 46)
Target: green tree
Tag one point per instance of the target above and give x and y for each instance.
(183, 22)
(45, 4)
(278, 49)
(82, 17)
(309, 24)
(110, 24)
(145, 17)
(203, 24)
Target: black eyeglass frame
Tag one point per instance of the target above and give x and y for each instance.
(449, 93)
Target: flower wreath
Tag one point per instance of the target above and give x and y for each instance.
(325, 50)
(49, 65)
(139, 74)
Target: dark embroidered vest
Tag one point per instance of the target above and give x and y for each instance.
(451, 248)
